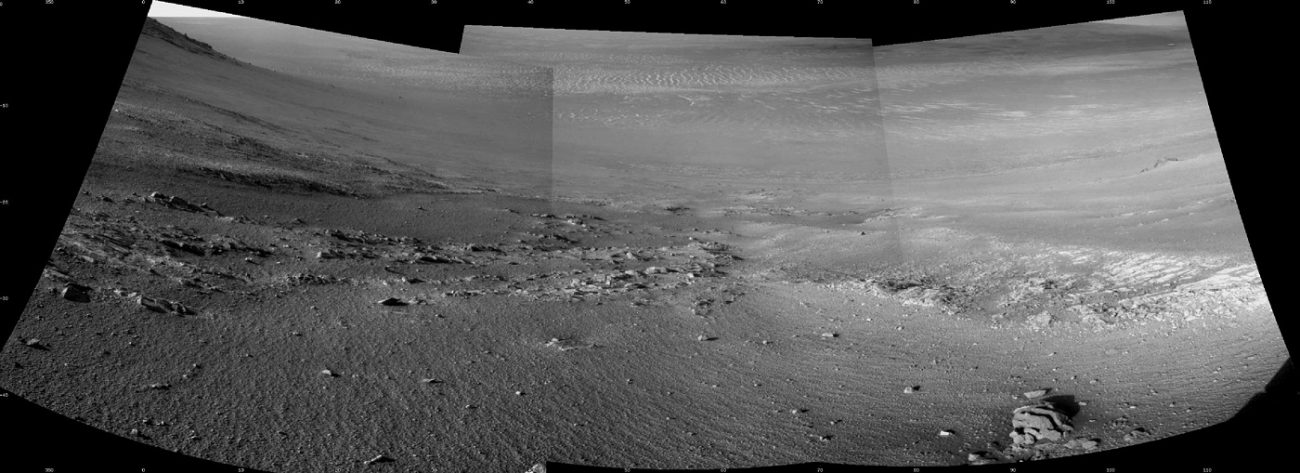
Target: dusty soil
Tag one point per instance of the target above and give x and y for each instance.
(241, 283)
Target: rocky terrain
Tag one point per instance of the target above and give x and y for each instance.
(317, 285)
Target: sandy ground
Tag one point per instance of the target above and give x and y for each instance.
(240, 285)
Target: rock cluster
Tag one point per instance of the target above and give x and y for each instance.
(162, 305)
(175, 202)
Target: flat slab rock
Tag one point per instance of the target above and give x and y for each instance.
(75, 292)
(1039, 422)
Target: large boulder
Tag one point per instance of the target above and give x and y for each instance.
(1039, 422)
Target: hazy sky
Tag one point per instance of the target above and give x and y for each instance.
(1159, 19)
(163, 9)
(170, 9)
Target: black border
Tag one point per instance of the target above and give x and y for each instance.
(63, 61)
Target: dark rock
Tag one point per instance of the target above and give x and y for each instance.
(76, 293)
(183, 246)
(330, 254)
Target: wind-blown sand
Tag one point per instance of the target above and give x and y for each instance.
(290, 271)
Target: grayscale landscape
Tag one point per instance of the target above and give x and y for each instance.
(300, 251)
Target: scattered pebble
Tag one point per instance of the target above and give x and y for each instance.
(946, 433)
(329, 373)
(829, 334)
(911, 389)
